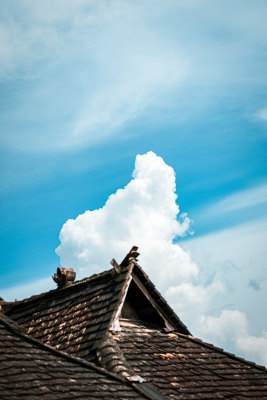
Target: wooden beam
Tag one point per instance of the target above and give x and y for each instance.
(168, 324)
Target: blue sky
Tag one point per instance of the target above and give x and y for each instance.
(86, 86)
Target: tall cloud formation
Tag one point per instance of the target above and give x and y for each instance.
(145, 213)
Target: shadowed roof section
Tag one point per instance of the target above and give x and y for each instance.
(172, 321)
(31, 370)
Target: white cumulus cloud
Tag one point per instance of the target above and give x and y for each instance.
(231, 329)
(191, 300)
(143, 213)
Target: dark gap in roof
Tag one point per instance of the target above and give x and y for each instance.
(151, 391)
(138, 307)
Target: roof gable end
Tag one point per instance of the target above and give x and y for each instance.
(140, 299)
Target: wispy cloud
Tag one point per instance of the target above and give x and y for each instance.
(28, 289)
(262, 114)
(253, 197)
(104, 61)
(90, 68)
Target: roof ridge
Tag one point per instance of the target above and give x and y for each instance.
(220, 350)
(10, 304)
(111, 357)
(130, 257)
(127, 271)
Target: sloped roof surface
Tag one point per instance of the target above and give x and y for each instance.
(73, 318)
(30, 370)
(185, 368)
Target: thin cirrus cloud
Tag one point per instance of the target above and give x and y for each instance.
(102, 79)
(262, 114)
(253, 197)
(90, 68)
(26, 290)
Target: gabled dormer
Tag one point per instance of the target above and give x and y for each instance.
(141, 301)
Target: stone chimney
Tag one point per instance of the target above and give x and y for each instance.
(64, 277)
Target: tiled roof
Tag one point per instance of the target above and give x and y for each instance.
(85, 321)
(73, 318)
(31, 370)
(182, 367)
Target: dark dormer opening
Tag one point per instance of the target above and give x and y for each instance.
(138, 307)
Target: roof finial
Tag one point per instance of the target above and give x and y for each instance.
(132, 255)
(64, 277)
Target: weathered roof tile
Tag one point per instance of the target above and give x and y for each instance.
(70, 319)
(159, 348)
(181, 367)
(30, 369)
